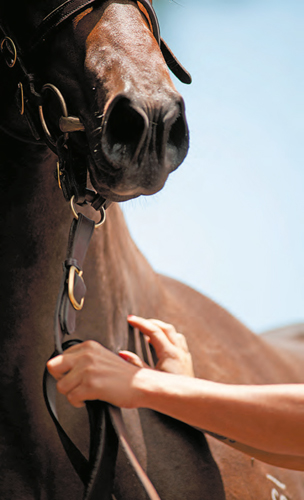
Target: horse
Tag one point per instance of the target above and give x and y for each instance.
(101, 62)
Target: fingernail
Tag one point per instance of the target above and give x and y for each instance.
(124, 356)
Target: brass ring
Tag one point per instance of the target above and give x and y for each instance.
(11, 63)
(49, 86)
(75, 213)
(20, 87)
(59, 175)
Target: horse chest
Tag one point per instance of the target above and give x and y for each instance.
(175, 456)
(245, 478)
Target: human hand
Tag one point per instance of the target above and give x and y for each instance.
(88, 371)
(171, 347)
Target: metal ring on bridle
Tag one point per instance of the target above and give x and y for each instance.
(52, 88)
(75, 213)
(7, 40)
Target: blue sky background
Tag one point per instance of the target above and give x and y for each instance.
(230, 220)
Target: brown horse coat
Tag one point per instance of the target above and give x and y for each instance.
(105, 82)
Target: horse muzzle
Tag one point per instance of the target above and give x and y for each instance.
(137, 146)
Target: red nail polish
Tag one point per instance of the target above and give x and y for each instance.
(124, 356)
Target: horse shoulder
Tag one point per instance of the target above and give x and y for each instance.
(288, 343)
(224, 349)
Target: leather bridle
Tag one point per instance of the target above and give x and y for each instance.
(106, 423)
(71, 177)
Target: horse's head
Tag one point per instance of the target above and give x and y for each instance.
(107, 63)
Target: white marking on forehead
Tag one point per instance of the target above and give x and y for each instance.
(276, 481)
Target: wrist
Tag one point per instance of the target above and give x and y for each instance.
(151, 388)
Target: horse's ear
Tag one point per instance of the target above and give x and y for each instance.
(173, 63)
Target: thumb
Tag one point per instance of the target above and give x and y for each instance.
(133, 359)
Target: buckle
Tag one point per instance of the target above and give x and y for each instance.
(71, 281)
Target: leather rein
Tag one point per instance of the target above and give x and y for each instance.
(107, 427)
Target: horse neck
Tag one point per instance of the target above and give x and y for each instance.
(34, 226)
(119, 282)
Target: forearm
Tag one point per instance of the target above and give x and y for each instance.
(295, 462)
(264, 421)
(268, 418)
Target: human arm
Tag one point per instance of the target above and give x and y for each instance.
(262, 415)
(264, 421)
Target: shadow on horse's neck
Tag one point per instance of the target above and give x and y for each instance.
(34, 225)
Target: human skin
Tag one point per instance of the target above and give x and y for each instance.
(250, 416)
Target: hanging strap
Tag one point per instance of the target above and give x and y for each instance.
(107, 427)
(72, 288)
(96, 473)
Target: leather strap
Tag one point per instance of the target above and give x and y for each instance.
(72, 287)
(97, 473)
(119, 426)
(72, 7)
(55, 18)
(106, 427)
(173, 63)
(106, 422)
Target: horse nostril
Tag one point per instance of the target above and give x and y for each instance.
(177, 141)
(178, 133)
(143, 144)
(124, 132)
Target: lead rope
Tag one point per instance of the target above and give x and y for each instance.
(107, 427)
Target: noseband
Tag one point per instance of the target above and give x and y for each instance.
(73, 7)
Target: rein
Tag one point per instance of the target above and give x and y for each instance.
(107, 427)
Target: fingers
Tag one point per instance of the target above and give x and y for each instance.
(157, 337)
(61, 364)
(175, 338)
(131, 357)
(167, 329)
(68, 381)
(90, 371)
(171, 347)
(182, 342)
(161, 334)
(77, 397)
(71, 367)
(58, 366)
